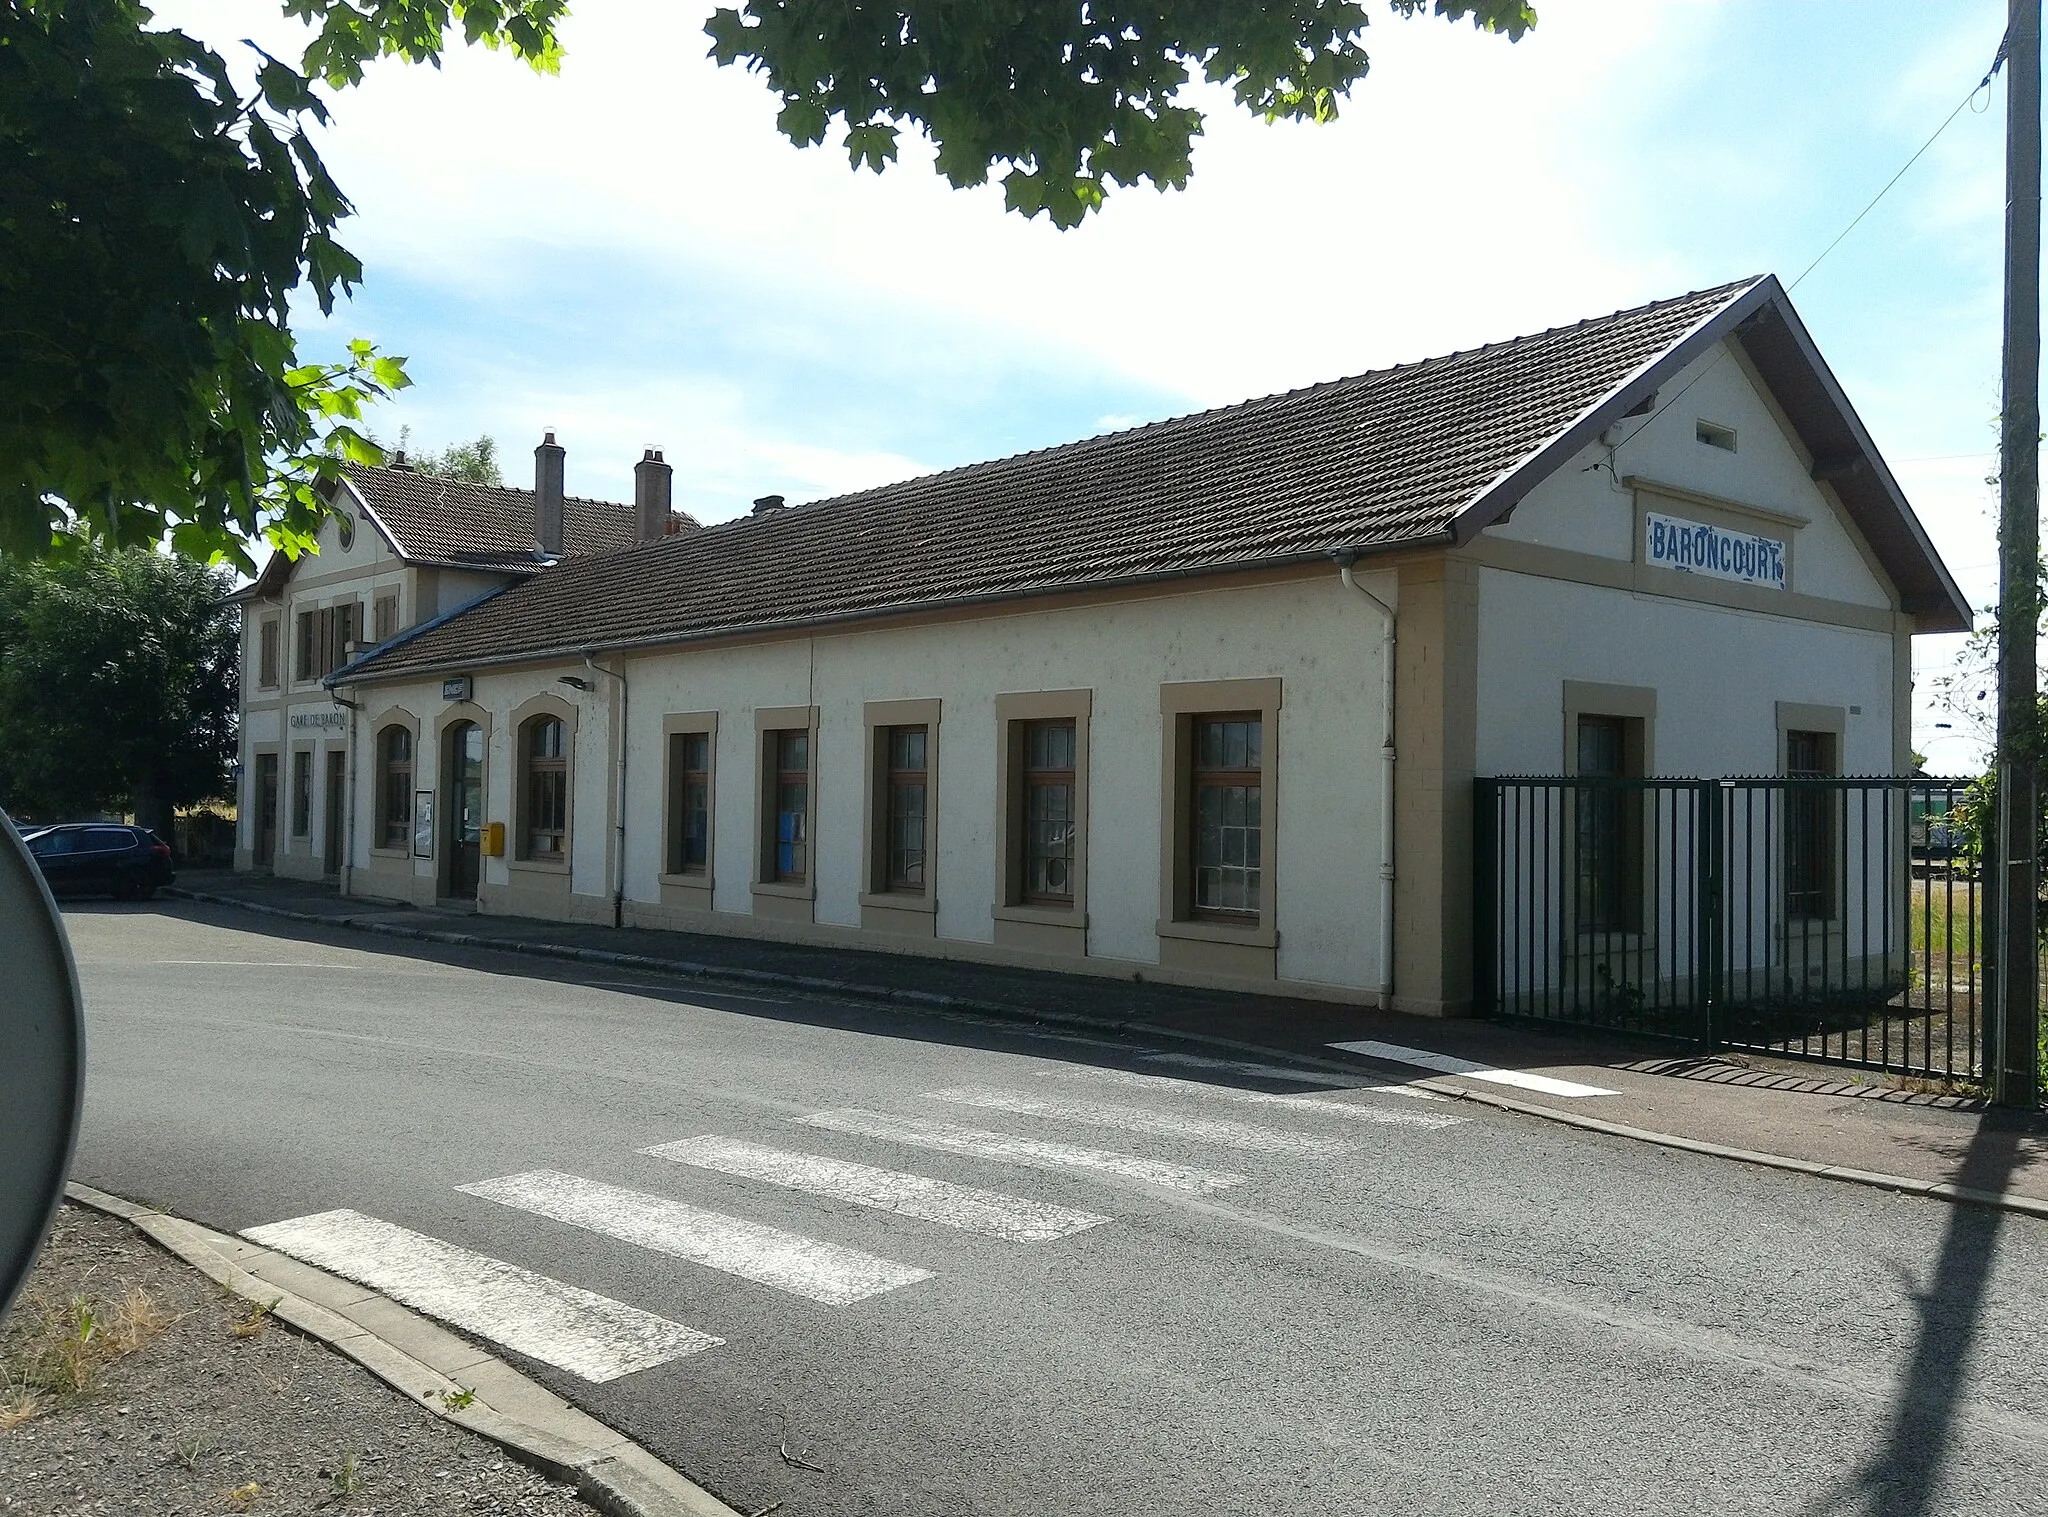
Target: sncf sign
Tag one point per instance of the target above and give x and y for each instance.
(1694, 547)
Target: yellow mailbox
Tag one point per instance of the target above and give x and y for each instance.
(494, 840)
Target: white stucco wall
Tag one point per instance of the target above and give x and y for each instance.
(1718, 674)
(1320, 640)
(1584, 508)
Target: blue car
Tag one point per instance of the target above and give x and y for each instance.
(101, 858)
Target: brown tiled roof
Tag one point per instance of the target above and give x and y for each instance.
(450, 523)
(1401, 455)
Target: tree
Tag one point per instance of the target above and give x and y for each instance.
(474, 463)
(118, 684)
(155, 221)
(1073, 97)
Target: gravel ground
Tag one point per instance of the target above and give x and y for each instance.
(199, 1419)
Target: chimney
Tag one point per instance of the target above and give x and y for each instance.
(763, 504)
(652, 481)
(547, 494)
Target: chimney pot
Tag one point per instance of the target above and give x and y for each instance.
(653, 483)
(547, 494)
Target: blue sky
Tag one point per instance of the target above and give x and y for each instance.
(630, 254)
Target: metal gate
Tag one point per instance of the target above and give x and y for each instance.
(1835, 919)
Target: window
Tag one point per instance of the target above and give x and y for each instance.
(1050, 812)
(1218, 820)
(788, 841)
(1605, 894)
(302, 792)
(1227, 826)
(323, 639)
(1809, 827)
(906, 751)
(689, 814)
(266, 653)
(547, 789)
(394, 787)
(1041, 900)
(384, 611)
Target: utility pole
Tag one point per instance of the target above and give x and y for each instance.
(2016, 1005)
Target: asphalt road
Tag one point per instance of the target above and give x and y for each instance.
(1358, 1310)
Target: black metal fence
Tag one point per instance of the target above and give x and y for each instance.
(1836, 919)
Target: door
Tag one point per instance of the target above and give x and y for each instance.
(464, 807)
(337, 805)
(104, 853)
(266, 811)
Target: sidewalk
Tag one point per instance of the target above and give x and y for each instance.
(1811, 1117)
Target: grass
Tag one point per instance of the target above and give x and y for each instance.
(56, 1349)
(255, 1319)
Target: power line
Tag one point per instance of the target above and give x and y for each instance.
(1981, 85)
(1997, 63)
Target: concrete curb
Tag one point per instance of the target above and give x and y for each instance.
(1080, 1022)
(427, 1364)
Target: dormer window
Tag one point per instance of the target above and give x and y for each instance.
(1714, 435)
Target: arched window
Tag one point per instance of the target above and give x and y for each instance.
(394, 787)
(545, 750)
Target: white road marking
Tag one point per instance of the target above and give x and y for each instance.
(1422, 1058)
(1281, 1072)
(823, 1272)
(1317, 1105)
(1271, 1140)
(576, 1330)
(976, 1211)
(922, 1132)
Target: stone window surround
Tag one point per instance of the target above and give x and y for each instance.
(1801, 716)
(1017, 923)
(1636, 706)
(772, 897)
(544, 704)
(693, 891)
(1180, 703)
(389, 717)
(882, 909)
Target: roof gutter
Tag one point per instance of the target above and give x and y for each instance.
(583, 647)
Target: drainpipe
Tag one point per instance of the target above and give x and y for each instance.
(619, 815)
(1345, 561)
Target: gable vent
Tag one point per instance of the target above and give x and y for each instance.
(1715, 435)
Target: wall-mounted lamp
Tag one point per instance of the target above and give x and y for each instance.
(573, 679)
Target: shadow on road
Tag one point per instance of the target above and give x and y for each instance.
(1904, 1479)
(1104, 1047)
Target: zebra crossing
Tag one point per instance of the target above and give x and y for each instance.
(597, 1338)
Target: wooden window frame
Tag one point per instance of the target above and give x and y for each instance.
(517, 860)
(688, 887)
(301, 782)
(1224, 778)
(1041, 926)
(1831, 724)
(268, 632)
(1635, 708)
(1182, 705)
(1035, 778)
(532, 768)
(886, 905)
(781, 897)
(383, 788)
